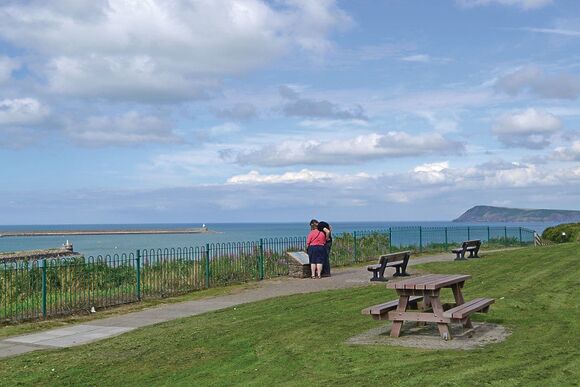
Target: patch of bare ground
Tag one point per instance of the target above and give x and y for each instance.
(427, 336)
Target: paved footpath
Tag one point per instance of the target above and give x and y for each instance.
(112, 326)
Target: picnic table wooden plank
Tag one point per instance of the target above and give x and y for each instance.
(395, 315)
(408, 283)
(387, 306)
(427, 283)
(465, 309)
(416, 284)
(449, 280)
(461, 307)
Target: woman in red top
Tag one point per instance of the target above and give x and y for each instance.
(315, 242)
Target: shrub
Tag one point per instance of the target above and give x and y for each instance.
(562, 233)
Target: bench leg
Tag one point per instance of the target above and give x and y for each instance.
(460, 257)
(444, 331)
(400, 272)
(438, 311)
(397, 325)
(377, 278)
(466, 322)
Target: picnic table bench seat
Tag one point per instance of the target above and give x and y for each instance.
(462, 311)
(397, 260)
(472, 246)
(381, 311)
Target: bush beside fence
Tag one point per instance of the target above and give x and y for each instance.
(37, 289)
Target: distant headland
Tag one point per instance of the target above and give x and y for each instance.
(197, 230)
(504, 214)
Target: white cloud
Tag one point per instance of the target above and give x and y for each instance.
(131, 128)
(523, 4)
(519, 176)
(567, 153)
(22, 111)
(161, 50)
(440, 124)
(534, 80)
(22, 121)
(303, 175)
(136, 78)
(334, 124)
(529, 129)
(423, 58)
(530, 121)
(431, 173)
(183, 168)
(349, 150)
(554, 31)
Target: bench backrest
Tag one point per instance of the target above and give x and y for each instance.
(472, 243)
(393, 257)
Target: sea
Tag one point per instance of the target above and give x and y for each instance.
(218, 233)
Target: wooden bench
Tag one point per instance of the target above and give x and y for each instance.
(381, 311)
(464, 310)
(471, 246)
(397, 260)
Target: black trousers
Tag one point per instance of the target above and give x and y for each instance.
(326, 263)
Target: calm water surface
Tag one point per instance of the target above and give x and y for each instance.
(221, 232)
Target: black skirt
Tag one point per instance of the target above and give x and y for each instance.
(317, 254)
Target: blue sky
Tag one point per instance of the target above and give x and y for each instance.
(126, 111)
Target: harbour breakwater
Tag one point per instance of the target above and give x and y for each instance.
(198, 230)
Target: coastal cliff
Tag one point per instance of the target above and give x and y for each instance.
(504, 214)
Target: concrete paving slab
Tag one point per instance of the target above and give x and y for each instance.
(80, 338)
(68, 336)
(129, 322)
(12, 349)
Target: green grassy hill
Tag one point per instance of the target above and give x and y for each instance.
(300, 340)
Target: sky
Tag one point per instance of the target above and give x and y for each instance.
(199, 111)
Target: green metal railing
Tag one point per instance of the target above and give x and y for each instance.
(36, 289)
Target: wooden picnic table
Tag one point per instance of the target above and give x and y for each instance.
(429, 287)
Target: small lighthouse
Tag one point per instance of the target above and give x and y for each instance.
(67, 246)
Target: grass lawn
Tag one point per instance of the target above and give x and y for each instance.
(300, 340)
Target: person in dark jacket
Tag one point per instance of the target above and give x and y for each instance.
(327, 229)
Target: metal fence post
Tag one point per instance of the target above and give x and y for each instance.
(420, 239)
(355, 246)
(488, 235)
(207, 272)
(261, 259)
(390, 241)
(520, 236)
(468, 233)
(505, 235)
(138, 267)
(446, 240)
(44, 288)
